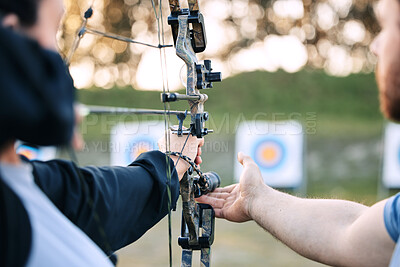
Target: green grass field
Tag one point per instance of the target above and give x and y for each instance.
(338, 113)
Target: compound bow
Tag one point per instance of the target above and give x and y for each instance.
(188, 30)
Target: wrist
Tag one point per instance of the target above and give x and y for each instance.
(181, 166)
(257, 199)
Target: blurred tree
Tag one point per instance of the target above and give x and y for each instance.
(243, 35)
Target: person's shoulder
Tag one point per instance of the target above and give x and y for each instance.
(391, 216)
(393, 202)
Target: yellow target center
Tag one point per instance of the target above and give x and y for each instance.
(269, 154)
(141, 150)
(28, 154)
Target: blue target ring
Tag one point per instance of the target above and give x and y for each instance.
(398, 155)
(269, 154)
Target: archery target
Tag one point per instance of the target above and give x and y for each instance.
(36, 152)
(391, 156)
(277, 149)
(129, 140)
(269, 153)
(29, 152)
(138, 146)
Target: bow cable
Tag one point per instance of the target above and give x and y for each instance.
(167, 118)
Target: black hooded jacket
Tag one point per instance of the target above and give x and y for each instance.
(36, 98)
(36, 92)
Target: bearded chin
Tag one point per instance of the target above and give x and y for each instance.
(389, 92)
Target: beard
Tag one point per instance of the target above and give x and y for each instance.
(389, 91)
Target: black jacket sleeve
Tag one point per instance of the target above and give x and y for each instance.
(126, 200)
(15, 229)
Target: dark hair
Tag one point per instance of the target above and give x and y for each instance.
(26, 10)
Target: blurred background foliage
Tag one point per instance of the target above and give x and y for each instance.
(243, 35)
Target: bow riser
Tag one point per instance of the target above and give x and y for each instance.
(185, 51)
(197, 232)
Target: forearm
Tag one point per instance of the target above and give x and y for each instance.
(126, 200)
(314, 228)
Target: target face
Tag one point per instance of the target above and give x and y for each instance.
(132, 139)
(269, 154)
(276, 148)
(36, 153)
(138, 146)
(398, 155)
(391, 158)
(29, 152)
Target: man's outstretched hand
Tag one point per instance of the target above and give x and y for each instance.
(234, 202)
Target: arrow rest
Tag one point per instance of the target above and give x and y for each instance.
(181, 118)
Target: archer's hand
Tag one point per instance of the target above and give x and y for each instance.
(191, 149)
(234, 202)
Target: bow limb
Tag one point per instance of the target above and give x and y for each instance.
(185, 51)
(174, 6)
(193, 5)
